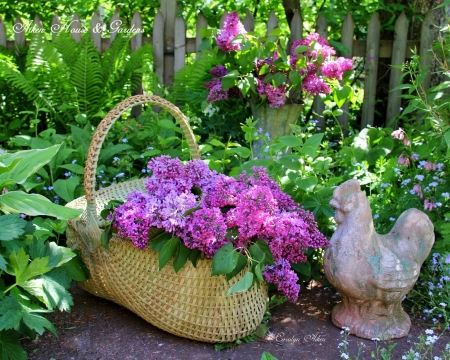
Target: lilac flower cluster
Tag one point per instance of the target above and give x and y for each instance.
(318, 68)
(253, 205)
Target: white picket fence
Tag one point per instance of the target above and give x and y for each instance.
(171, 46)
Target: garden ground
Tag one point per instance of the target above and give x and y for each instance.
(101, 330)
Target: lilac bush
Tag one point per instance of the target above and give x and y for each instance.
(201, 207)
(261, 70)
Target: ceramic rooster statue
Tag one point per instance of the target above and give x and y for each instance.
(374, 272)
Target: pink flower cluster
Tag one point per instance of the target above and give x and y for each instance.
(253, 205)
(316, 74)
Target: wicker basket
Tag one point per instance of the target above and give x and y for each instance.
(190, 303)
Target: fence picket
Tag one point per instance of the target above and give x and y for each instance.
(426, 41)
(202, 23)
(318, 104)
(19, 33)
(398, 58)
(371, 71)
(2, 33)
(75, 28)
(55, 26)
(272, 23)
(158, 46)
(347, 32)
(180, 44)
(249, 22)
(296, 27)
(114, 27)
(96, 25)
(169, 11)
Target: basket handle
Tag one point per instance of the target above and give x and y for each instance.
(105, 125)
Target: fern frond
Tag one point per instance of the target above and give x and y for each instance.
(67, 47)
(189, 79)
(87, 77)
(113, 58)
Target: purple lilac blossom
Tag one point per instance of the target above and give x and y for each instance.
(231, 28)
(254, 205)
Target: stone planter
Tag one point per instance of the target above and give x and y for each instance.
(274, 121)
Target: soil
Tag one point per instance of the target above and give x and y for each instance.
(97, 329)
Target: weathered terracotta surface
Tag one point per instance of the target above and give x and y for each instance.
(374, 272)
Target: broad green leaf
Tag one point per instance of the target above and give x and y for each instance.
(51, 288)
(75, 168)
(38, 323)
(57, 255)
(215, 142)
(168, 124)
(341, 95)
(158, 243)
(258, 272)
(109, 151)
(303, 268)
(257, 253)
(267, 356)
(241, 263)
(312, 145)
(261, 244)
(81, 137)
(243, 284)
(447, 141)
(2, 263)
(23, 270)
(290, 140)
(291, 161)
(12, 226)
(307, 183)
(10, 313)
(181, 258)
(27, 162)
(10, 348)
(279, 79)
(105, 237)
(300, 49)
(168, 251)
(243, 152)
(224, 260)
(193, 256)
(295, 77)
(66, 188)
(35, 204)
(76, 269)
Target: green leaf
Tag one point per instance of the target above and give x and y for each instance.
(76, 269)
(10, 348)
(168, 251)
(12, 226)
(105, 237)
(241, 263)
(243, 152)
(230, 80)
(35, 204)
(341, 95)
(109, 151)
(38, 323)
(300, 49)
(267, 356)
(2, 263)
(158, 243)
(303, 268)
(75, 168)
(193, 256)
(291, 161)
(307, 183)
(295, 77)
(290, 140)
(20, 165)
(243, 284)
(224, 260)
(18, 261)
(51, 288)
(66, 188)
(312, 145)
(257, 253)
(258, 272)
(170, 125)
(262, 245)
(183, 253)
(279, 79)
(81, 137)
(11, 313)
(447, 141)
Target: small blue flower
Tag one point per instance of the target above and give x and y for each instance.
(116, 158)
(120, 175)
(74, 161)
(68, 174)
(50, 187)
(124, 140)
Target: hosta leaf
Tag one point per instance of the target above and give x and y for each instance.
(12, 226)
(10, 348)
(35, 204)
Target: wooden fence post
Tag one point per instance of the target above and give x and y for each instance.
(398, 58)
(347, 32)
(180, 44)
(426, 41)
(202, 23)
(19, 32)
(371, 71)
(169, 11)
(2, 33)
(96, 34)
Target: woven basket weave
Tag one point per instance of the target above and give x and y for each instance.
(190, 303)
